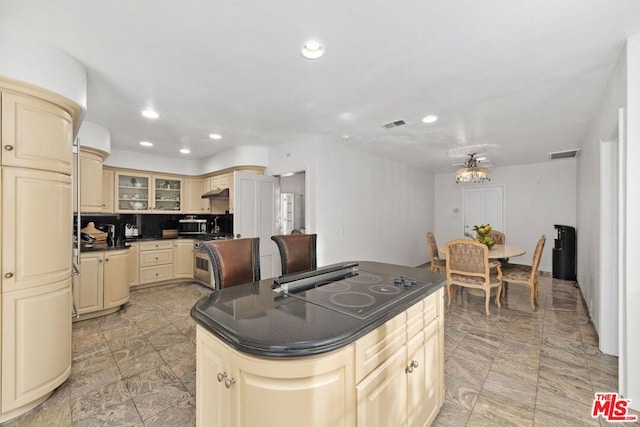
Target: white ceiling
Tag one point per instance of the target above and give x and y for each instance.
(524, 75)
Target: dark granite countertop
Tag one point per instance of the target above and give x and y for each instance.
(102, 247)
(254, 319)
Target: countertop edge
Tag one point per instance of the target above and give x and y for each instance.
(313, 348)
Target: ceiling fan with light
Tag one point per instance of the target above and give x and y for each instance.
(471, 172)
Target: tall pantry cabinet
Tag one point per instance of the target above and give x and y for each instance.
(36, 133)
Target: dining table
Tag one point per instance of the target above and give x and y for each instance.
(496, 252)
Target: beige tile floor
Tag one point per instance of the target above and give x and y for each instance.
(514, 368)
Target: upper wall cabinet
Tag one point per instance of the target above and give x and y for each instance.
(193, 201)
(35, 134)
(108, 179)
(133, 192)
(140, 193)
(91, 181)
(167, 194)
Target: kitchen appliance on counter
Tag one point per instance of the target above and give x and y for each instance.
(130, 230)
(190, 226)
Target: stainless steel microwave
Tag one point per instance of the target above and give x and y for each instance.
(191, 225)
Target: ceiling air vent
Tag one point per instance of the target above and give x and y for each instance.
(568, 154)
(394, 124)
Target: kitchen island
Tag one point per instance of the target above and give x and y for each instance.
(270, 357)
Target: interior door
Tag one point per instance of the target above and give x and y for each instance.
(483, 206)
(255, 203)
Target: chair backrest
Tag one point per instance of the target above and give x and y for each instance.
(297, 252)
(498, 237)
(537, 256)
(234, 262)
(433, 247)
(467, 258)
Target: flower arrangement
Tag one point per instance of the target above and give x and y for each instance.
(482, 235)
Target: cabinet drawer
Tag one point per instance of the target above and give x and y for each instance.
(378, 345)
(156, 244)
(156, 274)
(150, 258)
(431, 307)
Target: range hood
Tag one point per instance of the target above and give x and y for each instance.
(222, 193)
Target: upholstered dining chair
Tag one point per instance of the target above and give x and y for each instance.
(436, 264)
(468, 265)
(498, 237)
(297, 252)
(235, 261)
(526, 274)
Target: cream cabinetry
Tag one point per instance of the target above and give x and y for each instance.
(36, 134)
(393, 376)
(103, 285)
(219, 182)
(91, 181)
(400, 366)
(183, 258)
(108, 180)
(193, 201)
(132, 192)
(134, 264)
(140, 193)
(242, 390)
(156, 261)
(36, 131)
(36, 343)
(35, 252)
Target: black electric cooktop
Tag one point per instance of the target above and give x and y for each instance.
(361, 294)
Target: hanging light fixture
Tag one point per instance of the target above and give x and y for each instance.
(472, 172)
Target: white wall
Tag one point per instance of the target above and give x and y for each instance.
(148, 162)
(239, 156)
(631, 255)
(95, 136)
(33, 61)
(589, 215)
(362, 206)
(536, 197)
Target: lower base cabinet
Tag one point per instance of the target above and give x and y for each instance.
(393, 376)
(103, 284)
(36, 344)
(241, 390)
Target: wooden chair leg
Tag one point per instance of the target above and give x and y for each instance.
(449, 294)
(532, 289)
(498, 293)
(487, 293)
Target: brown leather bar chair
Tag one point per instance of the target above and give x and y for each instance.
(297, 252)
(234, 262)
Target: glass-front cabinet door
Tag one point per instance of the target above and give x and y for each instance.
(168, 194)
(133, 192)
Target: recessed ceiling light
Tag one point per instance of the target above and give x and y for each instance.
(430, 118)
(215, 136)
(185, 151)
(146, 143)
(150, 114)
(312, 49)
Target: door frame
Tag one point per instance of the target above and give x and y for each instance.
(503, 187)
